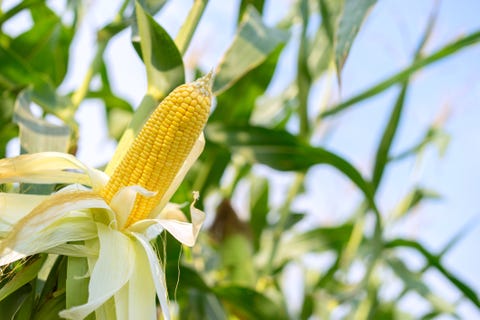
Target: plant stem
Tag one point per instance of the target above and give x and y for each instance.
(304, 79)
(190, 25)
(82, 91)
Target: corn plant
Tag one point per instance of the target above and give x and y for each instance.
(196, 214)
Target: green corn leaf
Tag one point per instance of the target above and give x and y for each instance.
(412, 200)
(163, 61)
(237, 103)
(165, 71)
(45, 46)
(249, 304)
(252, 44)
(282, 151)
(152, 6)
(354, 12)
(26, 274)
(244, 4)
(259, 208)
(315, 240)
(413, 281)
(423, 62)
(383, 150)
(50, 309)
(76, 282)
(15, 73)
(434, 261)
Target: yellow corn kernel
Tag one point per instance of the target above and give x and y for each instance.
(163, 144)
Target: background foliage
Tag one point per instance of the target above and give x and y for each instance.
(262, 150)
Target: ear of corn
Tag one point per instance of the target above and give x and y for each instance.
(162, 145)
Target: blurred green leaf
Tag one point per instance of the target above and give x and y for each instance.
(214, 161)
(383, 149)
(163, 61)
(423, 62)
(185, 34)
(253, 43)
(10, 307)
(330, 11)
(259, 208)
(38, 134)
(237, 103)
(198, 305)
(27, 273)
(315, 240)
(152, 6)
(249, 304)
(412, 200)
(15, 73)
(413, 281)
(434, 261)
(435, 134)
(245, 4)
(8, 129)
(46, 45)
(282, 151)
(195, 297)
(22, 5)
(307, 307)
(50, 309)
(51, 278)
(354, 12)
(76, 285)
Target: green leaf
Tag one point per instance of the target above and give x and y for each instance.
(434, 261)
(252, 44)
(51, 279)
(8, 129)
(50, 309)
(76, 282)
(15, 73)
(413, 281)
(383, 149)
(245, 4)
(354, 12)
(249, 304)
(440, 54)
(163, 61)
(315, 240)
(259, 208)
(412, 200)
(37, 134)
(11, 306)
(435, 135)
(26, 274)
(282, 151)
(330, 10)
(45, 46)
(198, 305)
(237, 103)
(152, 6)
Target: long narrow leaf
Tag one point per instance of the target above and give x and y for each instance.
(163, 61)
(252, 44)
(434, 261)
(383, 150)
(440, 54)
(282, 151)
(22, 277)
(354, 12)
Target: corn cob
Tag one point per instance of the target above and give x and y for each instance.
(163, 144)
